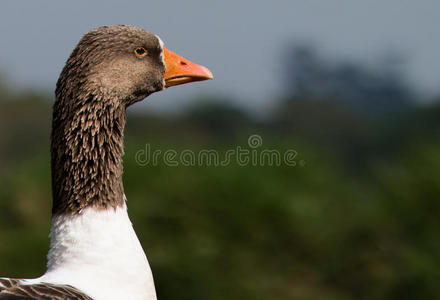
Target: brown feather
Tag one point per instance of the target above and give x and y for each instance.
(15, 289)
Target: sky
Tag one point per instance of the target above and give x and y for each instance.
(241, 41)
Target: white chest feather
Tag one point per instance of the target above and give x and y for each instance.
(99, 253)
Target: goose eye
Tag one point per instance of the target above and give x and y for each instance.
(140, 51)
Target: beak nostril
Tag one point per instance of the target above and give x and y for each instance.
(179, 70)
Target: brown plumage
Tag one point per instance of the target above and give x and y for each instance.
(101, 79)
(14, 289)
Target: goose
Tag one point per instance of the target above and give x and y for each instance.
(94, 251)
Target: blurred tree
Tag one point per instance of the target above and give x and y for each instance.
(365, 88)
(5, 93)
(218, 117)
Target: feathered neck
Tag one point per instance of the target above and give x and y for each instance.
(86, 150)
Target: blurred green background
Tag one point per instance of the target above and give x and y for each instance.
(356, 218)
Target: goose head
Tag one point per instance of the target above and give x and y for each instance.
(126, 63)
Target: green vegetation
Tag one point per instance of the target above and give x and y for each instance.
(356, 218)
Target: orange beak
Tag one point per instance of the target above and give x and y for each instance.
(180, 70)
